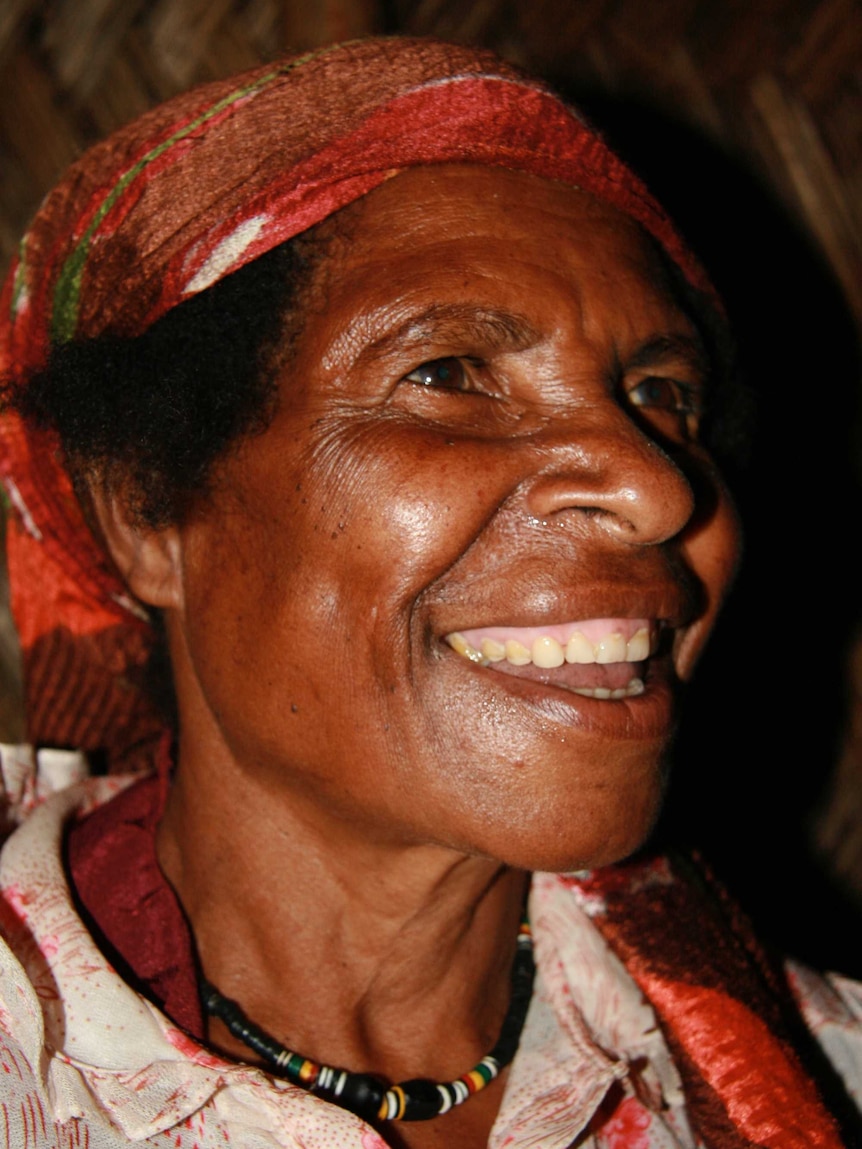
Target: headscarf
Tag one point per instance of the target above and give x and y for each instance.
(165, 208)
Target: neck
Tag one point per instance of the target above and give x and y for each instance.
(379, 956)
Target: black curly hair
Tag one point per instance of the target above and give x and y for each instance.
(150, 416)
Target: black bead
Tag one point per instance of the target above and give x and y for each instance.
(422, 1099)
(362, 1094)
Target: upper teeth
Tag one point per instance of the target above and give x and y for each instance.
(547, 652)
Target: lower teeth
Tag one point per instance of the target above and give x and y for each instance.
(635, 687)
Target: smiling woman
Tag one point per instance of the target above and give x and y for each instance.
(394, 421)
(402, 548)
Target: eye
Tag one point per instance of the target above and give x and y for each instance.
(669, 407)
(449, 374)
(657, 391)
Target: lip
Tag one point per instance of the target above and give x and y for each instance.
(656, 588)
(645, 716)
(669, 603)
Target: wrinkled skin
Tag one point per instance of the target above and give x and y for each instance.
(550, 472)
(377, 514)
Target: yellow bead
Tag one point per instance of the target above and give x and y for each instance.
(402, 1101)
(474, 1081)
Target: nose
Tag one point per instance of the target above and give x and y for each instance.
(606, 470)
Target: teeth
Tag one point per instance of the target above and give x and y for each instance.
(547, 653)
(634, 688)
(638, 648)
(611, 649)
(461, 646)
(517, 654)
(493, 651)
(580, 649)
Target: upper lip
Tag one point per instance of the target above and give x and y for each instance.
(667, 606)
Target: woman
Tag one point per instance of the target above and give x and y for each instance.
(381, 386)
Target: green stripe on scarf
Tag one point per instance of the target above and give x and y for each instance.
(67, 291)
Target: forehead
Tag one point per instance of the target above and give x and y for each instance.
(439, 200)
(463, 232)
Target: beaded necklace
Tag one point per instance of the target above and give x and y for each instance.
(365, 1094)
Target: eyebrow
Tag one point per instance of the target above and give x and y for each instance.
(488, 327)
(664, 347)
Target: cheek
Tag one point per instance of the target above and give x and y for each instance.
(713, 551)
(400, 507)
(319, 561)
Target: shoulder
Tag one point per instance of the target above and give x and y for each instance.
(28, 776)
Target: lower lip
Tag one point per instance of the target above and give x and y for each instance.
(644, 716)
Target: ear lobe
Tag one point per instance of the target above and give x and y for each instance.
(148, 558)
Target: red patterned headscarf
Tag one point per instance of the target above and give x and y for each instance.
(168, 206)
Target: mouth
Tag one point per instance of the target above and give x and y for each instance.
(602, 658)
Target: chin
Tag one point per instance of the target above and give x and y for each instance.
(605, 826)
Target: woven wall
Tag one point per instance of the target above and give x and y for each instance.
(746, 115)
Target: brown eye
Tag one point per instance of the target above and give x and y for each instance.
(668, 407)
(665, 394)
(448, 374)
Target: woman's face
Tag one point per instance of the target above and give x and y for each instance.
(488, 429)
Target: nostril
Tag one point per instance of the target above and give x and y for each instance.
(631, 491)
(611, 519)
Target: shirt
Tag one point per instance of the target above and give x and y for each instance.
(87, 1061)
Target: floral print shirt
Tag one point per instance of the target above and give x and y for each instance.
(88, 1063)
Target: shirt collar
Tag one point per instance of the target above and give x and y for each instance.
(588, 1027)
